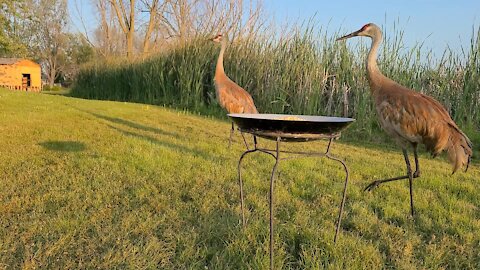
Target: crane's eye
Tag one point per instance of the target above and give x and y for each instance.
(365, 27)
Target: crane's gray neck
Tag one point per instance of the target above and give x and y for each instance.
(375, 76)
(219, 69)
(372, 67)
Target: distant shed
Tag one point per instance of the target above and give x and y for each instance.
(20, 74)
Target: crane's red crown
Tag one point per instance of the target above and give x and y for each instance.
(365, 27)
(217, 38)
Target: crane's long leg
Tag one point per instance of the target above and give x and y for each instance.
(231, 135)
(417, 166)
(410, 180)
(409, 176)
(245, 141)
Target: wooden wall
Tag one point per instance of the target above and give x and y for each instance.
(11, 76)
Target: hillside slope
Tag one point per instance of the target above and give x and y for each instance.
(98, 184)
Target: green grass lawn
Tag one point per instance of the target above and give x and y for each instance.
(97, 184)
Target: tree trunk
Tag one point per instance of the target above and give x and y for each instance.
(129, 44)
(151, 23)
(52, 73)
(126, 23)
(131, 30)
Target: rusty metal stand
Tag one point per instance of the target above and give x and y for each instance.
(275, 153)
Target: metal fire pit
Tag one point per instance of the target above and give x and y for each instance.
(287, 128)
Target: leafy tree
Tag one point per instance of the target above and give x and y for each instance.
(78, 51)
(11, 43)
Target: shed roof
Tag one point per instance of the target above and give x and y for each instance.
(18, 61)
(9, 61)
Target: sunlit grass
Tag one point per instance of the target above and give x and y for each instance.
(98, 184)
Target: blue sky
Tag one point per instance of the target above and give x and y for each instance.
(434, 22)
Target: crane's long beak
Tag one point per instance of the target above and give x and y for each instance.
(354, 34)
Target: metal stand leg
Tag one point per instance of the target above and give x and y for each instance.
(276, 154)
(272, 178)
(342, 204)
(240, 183)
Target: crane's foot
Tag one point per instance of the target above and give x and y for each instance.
(376, 183)
(372, 185)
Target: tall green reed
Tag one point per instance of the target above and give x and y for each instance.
(306, 72)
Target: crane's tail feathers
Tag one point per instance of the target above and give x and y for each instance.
(459, 149)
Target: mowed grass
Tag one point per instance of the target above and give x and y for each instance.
(98, 184)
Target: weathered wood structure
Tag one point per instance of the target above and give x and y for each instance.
(20, 74)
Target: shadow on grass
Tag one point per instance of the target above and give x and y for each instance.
(206, 235)
(130, 124)
(173, 146)
(154, 130)
(64, 146)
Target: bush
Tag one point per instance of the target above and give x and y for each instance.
(53, 88)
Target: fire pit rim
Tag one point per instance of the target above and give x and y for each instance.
(304, 117)
(307, 127)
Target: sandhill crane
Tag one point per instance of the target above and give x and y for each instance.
(411, 118)
(232, 97)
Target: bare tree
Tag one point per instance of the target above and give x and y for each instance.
(109, 39)
(104, 26)
(48, 29)
(126, 18)
(153, 10)
(185, 19)
(150, 25)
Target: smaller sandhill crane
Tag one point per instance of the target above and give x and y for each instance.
(232, 97)
(411, 118)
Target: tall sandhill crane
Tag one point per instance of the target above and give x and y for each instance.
(411, 118)
(232, 97)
